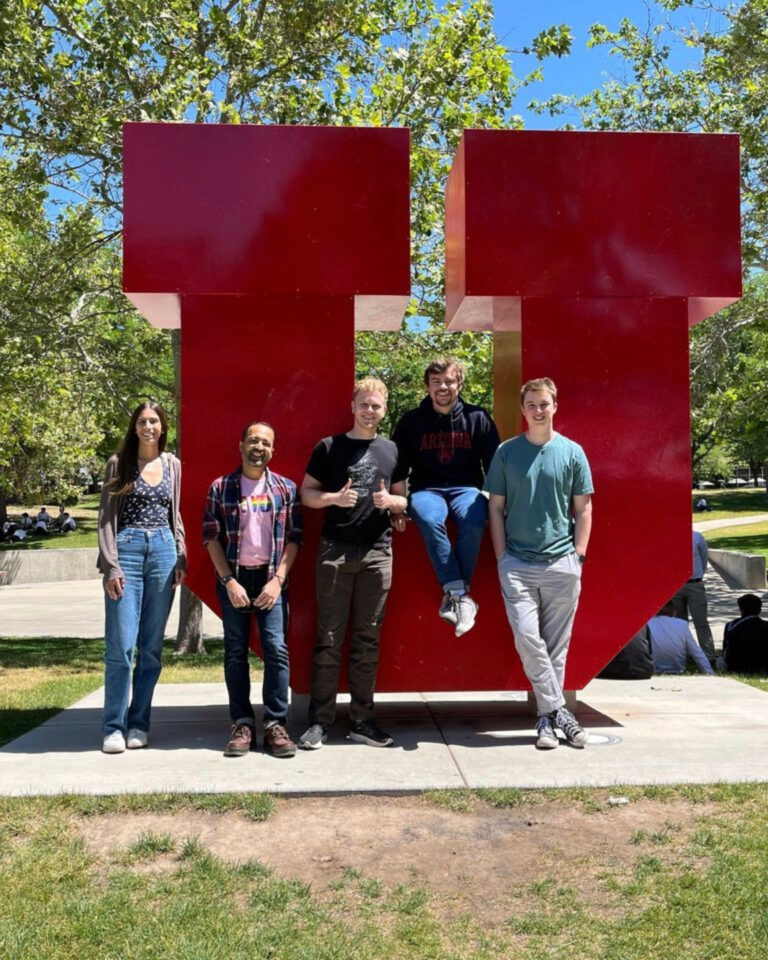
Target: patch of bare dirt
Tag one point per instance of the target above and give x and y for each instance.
(479, 862)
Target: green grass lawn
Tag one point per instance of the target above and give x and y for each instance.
(42, 675)
(699, 892)
(748, 538)
(731, 503)
(86, 515)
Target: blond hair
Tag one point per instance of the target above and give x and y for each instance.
(370, 385)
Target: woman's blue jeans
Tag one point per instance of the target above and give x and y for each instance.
(136, 623)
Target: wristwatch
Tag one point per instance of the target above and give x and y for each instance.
(225, 580)
(582, 558)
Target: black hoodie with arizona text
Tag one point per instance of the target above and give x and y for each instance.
(446, 449)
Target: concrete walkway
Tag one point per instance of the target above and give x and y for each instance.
(664, 730)
(703, 525)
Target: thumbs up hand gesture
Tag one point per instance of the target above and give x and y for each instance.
(346, 497)
(382, 499)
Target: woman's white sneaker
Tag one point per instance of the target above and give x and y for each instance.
(113, 743)
(136, 739)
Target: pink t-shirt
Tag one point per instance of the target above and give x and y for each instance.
(255, 523)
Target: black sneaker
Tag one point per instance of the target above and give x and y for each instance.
(449, 608)
(575, 734)
(368, 731)
(546, 738)
(313, 737)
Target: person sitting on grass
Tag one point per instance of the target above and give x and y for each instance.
(745, 640)
(67, 523)
(672, 643)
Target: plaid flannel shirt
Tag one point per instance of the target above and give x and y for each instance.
(221, 517)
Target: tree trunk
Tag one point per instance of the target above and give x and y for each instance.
(189, 638)
(3, 510)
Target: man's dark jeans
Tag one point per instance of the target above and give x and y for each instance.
(352, 579)
(237, 630)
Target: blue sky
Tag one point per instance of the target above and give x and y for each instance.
(518, 21)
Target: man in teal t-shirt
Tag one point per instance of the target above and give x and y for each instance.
(540, 517)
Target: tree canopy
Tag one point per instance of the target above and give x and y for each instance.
(73, 71)
(726, 90)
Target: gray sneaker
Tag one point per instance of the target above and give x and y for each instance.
(546, 738)
(467, 611)
(575, 734)
(449, 608)
(313, 737)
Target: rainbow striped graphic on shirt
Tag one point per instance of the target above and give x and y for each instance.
(255, 503)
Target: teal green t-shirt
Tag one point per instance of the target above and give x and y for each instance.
(538, 484)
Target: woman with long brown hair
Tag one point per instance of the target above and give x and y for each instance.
(142, 557)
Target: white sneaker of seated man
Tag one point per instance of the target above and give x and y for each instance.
(460, 611)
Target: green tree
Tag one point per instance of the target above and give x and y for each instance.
(72, 72)
(63, 385)
(725, 90)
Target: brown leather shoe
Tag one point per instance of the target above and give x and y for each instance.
(277, 742)
(241, 740)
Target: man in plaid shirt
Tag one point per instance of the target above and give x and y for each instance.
(252, 531)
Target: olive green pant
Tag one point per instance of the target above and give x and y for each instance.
(350, 580)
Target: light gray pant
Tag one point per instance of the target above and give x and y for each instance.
(541, 601)
(692, 598)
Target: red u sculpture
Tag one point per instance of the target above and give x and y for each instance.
(587, 254)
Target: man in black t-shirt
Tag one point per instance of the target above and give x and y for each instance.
(355, 478)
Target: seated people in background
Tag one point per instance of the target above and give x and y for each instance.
(448, 445)
(18, 536)
(745, 640)
(632, 662)
(702, 505)
(66, 523)
(42, 526)
(26, 521)
(672, 643)
(44, 515)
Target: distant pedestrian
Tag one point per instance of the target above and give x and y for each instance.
(142, 556)
(691, 598)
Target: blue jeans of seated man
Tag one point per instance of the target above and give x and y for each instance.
(237, 631)
(136, 623)
(430, 508)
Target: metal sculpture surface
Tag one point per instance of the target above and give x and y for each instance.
(591, 253)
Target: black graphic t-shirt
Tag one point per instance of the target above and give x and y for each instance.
(366, 463)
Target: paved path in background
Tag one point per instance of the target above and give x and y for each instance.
(703, 525)
(75, 608)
